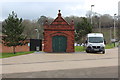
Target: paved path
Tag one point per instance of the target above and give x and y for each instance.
(51, 61)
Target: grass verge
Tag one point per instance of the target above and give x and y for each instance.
(109, 46)
(79, 48)
(6, 55)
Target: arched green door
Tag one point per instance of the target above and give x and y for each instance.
(59, 43)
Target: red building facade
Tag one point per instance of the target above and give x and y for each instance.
(59, 36)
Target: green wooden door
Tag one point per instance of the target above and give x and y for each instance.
(59, 43)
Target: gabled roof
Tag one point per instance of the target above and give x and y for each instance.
(59, 20)
(59, 24)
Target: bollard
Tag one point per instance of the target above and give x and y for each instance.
(37, 48)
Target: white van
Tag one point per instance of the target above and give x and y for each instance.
(95, 43)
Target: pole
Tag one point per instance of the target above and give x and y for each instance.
(37, 33)
(37, 47)
(99, 21)
(110, 34)
(114, 27)
(91, 13)
(99, 25)
(114, 30)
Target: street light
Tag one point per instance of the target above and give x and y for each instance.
(114, 28)
(37, 32)
(91, 13)
(99, 21)
(110, 34)
(114, 31)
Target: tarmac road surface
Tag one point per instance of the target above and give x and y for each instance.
(62, 65)
(99, 72)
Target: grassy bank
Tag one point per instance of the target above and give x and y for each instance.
(5, 55)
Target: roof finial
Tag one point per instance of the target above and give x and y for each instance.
(59, 11)
(59, 14)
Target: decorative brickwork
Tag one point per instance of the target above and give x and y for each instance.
(59, 27)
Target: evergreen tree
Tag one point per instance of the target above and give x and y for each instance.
(82, 29)
(12, 31)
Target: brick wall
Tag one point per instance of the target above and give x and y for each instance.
(5, 49)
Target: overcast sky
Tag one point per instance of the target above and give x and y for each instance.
(33, 9)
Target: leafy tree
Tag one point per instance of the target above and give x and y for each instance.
(75, 18)
(12, 31)
(82, 28)
(29, 29)
(42, 20)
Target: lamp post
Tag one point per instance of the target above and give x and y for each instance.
(91, 13)
(99, 18)
(110, 34)
(37, 47)
(99, 25)
(114, 27)
(114, 30)
(37, 32)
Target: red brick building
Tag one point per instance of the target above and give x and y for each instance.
(59, 36)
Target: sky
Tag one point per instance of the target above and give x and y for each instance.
(33, 9)
(119, 9)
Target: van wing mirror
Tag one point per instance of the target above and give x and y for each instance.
(86, 41)
(104, 42)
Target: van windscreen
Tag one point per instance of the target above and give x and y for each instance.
(95, 39)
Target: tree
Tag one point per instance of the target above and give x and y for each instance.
(29, 29)
(82, 28)
(12, 31)
(75, 18)
(42, 20)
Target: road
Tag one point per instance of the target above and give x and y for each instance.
(62, 65)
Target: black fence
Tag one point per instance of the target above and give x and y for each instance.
(35, 45)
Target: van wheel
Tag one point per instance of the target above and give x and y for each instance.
(87, 51)
(103, 52)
